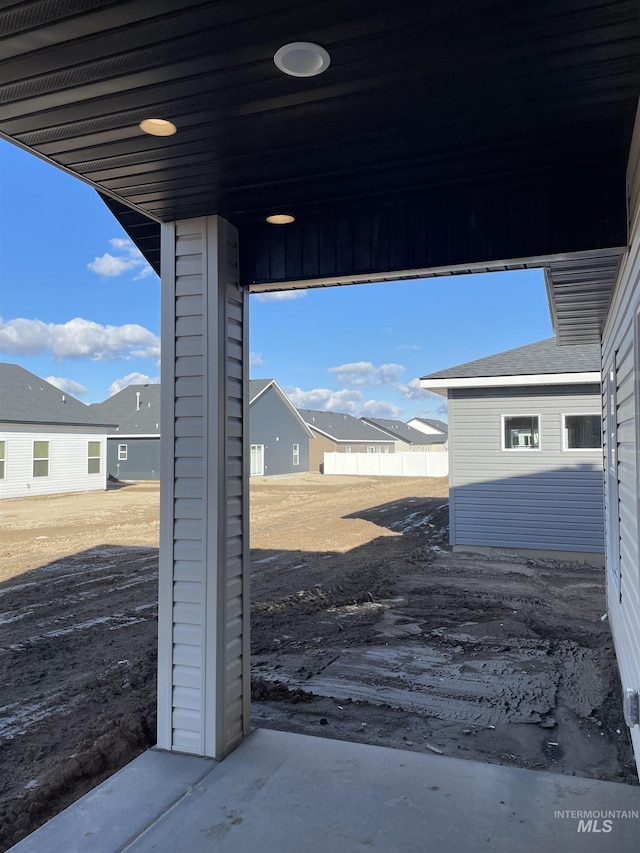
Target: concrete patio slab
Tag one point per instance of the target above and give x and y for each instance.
(287, 793)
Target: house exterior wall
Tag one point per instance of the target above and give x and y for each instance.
(546, 499)
(142, 462)
(621, 408)
(203, 606)
(68, 460)
(320, 444)
(273, 425)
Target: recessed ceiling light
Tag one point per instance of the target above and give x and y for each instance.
(302, 59)
(281, 219)
(158, 127)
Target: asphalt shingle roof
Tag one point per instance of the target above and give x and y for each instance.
(435, 423)
(257, 386)
(402, 431)
(122, 409)
(542, 357)
(26, 398)
(343, 427)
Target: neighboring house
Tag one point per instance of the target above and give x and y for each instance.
(431, 426)
(278, 434)
(50, 442)
(334, 432)
(133, 446)
(407, 439)
(525, 450)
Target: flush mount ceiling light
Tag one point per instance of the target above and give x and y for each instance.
(302, 59)
(281, 219)
(158, 127)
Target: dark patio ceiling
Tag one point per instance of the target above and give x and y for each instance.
(442, 133)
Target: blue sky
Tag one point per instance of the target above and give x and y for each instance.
(80, 307)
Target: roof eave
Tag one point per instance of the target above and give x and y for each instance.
(442, 385)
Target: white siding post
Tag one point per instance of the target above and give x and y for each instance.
(203, 615)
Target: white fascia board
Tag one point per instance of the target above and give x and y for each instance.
(440, 386)
(382, 440)
(260, 393)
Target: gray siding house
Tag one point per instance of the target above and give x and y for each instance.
(436, 430)
(279, 436)
(336, 432)
(407, 439)
(525, 448)
(430, 426)
(133, 447)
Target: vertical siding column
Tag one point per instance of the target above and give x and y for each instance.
(204, 667)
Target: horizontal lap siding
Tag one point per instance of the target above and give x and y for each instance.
(274, 425)
(68, 460)
(189, 491)
(620, 347)
(542, 499)
(142, 462)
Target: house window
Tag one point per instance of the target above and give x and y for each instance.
(40, 458)
(257, 460)
(122, 453)
(582, 432)
(296, 454)
(3, 458)
(347, 448)
(371, 450)
(521, 432)
(93, 460)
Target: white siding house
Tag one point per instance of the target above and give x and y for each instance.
(525, 446)
(49, 442)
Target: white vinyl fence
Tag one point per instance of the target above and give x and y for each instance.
(388, 464)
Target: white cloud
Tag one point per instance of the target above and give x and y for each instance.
(78, 338)
(129, 259)
(132, 379)
(380, 409)
(413, 391)
(69, 386)
(144, 272)
(255, 359)
(325, 400)
(366, 374)
(280, 295)
(347, 401)
(408, 346)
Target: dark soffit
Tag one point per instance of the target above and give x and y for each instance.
(421, 100)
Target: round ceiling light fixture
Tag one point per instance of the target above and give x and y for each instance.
(302, 59)
(158, 127)
(280, 219)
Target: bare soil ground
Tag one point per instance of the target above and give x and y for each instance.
(364, 627)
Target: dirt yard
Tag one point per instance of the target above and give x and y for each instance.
(365, 627)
